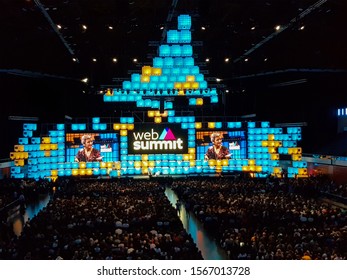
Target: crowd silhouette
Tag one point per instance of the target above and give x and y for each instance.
(268, 219)
(252, 219)
(104, 220)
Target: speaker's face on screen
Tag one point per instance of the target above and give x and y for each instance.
(217, 141)
(88, 144)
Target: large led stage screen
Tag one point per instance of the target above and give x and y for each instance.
(158, 139)
(107, 143)
(234, 141)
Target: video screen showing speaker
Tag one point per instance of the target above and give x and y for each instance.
(105, 143)
(233, 143)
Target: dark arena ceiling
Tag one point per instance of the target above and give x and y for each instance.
(295, 73)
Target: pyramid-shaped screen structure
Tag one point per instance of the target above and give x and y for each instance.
(173, 73)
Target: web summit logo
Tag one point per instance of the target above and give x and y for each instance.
(151, 141)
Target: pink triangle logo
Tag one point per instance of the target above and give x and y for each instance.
(169, 135)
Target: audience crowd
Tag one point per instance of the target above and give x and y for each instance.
(267, 219)
(104, 220)
(133, 219)
(12, 189)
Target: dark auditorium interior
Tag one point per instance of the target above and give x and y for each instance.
(280, 61)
